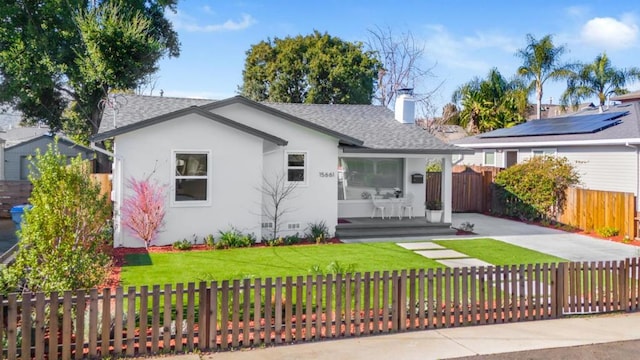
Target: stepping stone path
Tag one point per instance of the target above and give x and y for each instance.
(439, 253)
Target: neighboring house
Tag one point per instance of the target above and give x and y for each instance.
(602, 143)
(215, 156)
(22, 142)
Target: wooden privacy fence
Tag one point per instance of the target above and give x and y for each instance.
(13, 193)
(226, 315)
(593, 209)
(471, 191)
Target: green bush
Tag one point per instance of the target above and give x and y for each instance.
(536, 188)
(65, 239)
(234, 239)
(183, 244)
(210, 241)
(317, 232)
(608, 231)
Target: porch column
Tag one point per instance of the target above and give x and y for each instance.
(446, 188)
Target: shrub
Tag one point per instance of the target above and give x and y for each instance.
(210, 241)
(536, 188)
(317, 232)
(292, 239)
(608, 231)
(183, 244)
(64, 242)
(434, 205)
(143, 212)
(234, 239)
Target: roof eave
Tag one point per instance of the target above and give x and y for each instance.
(363, 150)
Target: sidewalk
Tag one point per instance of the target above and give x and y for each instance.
(454, 342)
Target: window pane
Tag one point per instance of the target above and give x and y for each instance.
(363, 177)
(295, 160)
(191, 164)
(489, 158)
(191, 189)
(295, 175)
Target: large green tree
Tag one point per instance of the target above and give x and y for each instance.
(316, 68)
(60, 58)
(598, 79)
(541, 62)
(491, 103)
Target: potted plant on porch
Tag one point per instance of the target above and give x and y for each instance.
(434, 211)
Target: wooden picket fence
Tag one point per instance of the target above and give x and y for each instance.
(219, 316)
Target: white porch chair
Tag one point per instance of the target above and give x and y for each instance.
(377, 205)
(407, 204)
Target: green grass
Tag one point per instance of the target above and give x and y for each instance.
(263, 262)
(498, 252)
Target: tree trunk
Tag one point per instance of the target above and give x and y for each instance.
(539, 110)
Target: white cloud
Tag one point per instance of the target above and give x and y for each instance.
(208, 10)
(611, 33)
(183, 21)
(462, 52)
(577, 11)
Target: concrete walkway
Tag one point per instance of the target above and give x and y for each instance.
(573, 247)
(453, 342)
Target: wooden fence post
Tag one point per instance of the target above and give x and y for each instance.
(560, 298)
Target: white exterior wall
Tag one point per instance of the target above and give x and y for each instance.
(413, 164)
(236, 174)
(317, 199)
(607, 168)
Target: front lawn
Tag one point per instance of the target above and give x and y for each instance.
(263, 262)
(498, 252)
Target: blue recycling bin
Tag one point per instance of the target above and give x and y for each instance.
(17, 212)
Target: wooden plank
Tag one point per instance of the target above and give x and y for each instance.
(318, 286)
(385, 302)
(106, 322)
(155, 319)
(180, 323)
(118, 326)
(465, 296)
(421, 300)
(191, 292)
(213, 313)
(288, 309)
(39, 326)
(377, 311)
(473, 279)
(430, 300)
(554, 287)
(144, 319)
(246, 313)
(490, 290)
(366, 306)
(539, 300)
(339, 317)
(131, 321)
(203, 316)
(81, 304)
(499, 271)
(329, 307)
(482, 296)
(166, 320)
(513, 291)
(348, 301)
(235, 315)
(66, 325)
(93, 323)
(309, 307)
(522, 292)
(402, 301)
(268, 310)
(25, 320)
(12, 328)
(357, 283)
(447, 297)
(278, 311)
(394, 301)
(530, 302)
(299, 307)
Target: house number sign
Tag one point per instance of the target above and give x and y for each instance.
(327, 174)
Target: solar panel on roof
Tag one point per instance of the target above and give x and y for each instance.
(577, 124)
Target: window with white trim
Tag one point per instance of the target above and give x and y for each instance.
(296, 166)
(541, 152)
(489, 158)
(191, 176)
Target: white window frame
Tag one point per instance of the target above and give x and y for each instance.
(484, 157)
(174, 177)
(545, 151)
(305, 168)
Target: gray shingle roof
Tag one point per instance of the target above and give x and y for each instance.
(374, 125)
(629, 128)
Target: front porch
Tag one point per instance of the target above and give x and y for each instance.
(366, 227)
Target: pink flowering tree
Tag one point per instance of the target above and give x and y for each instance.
(143, 212)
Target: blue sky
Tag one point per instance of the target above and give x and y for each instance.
(462, 39)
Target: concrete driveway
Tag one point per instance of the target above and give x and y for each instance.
(574, 247)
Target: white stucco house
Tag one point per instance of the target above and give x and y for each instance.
(214, 156)
(603, 143)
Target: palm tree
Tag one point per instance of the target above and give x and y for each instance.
(541, 62)
(491, 103)
(598, 78)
